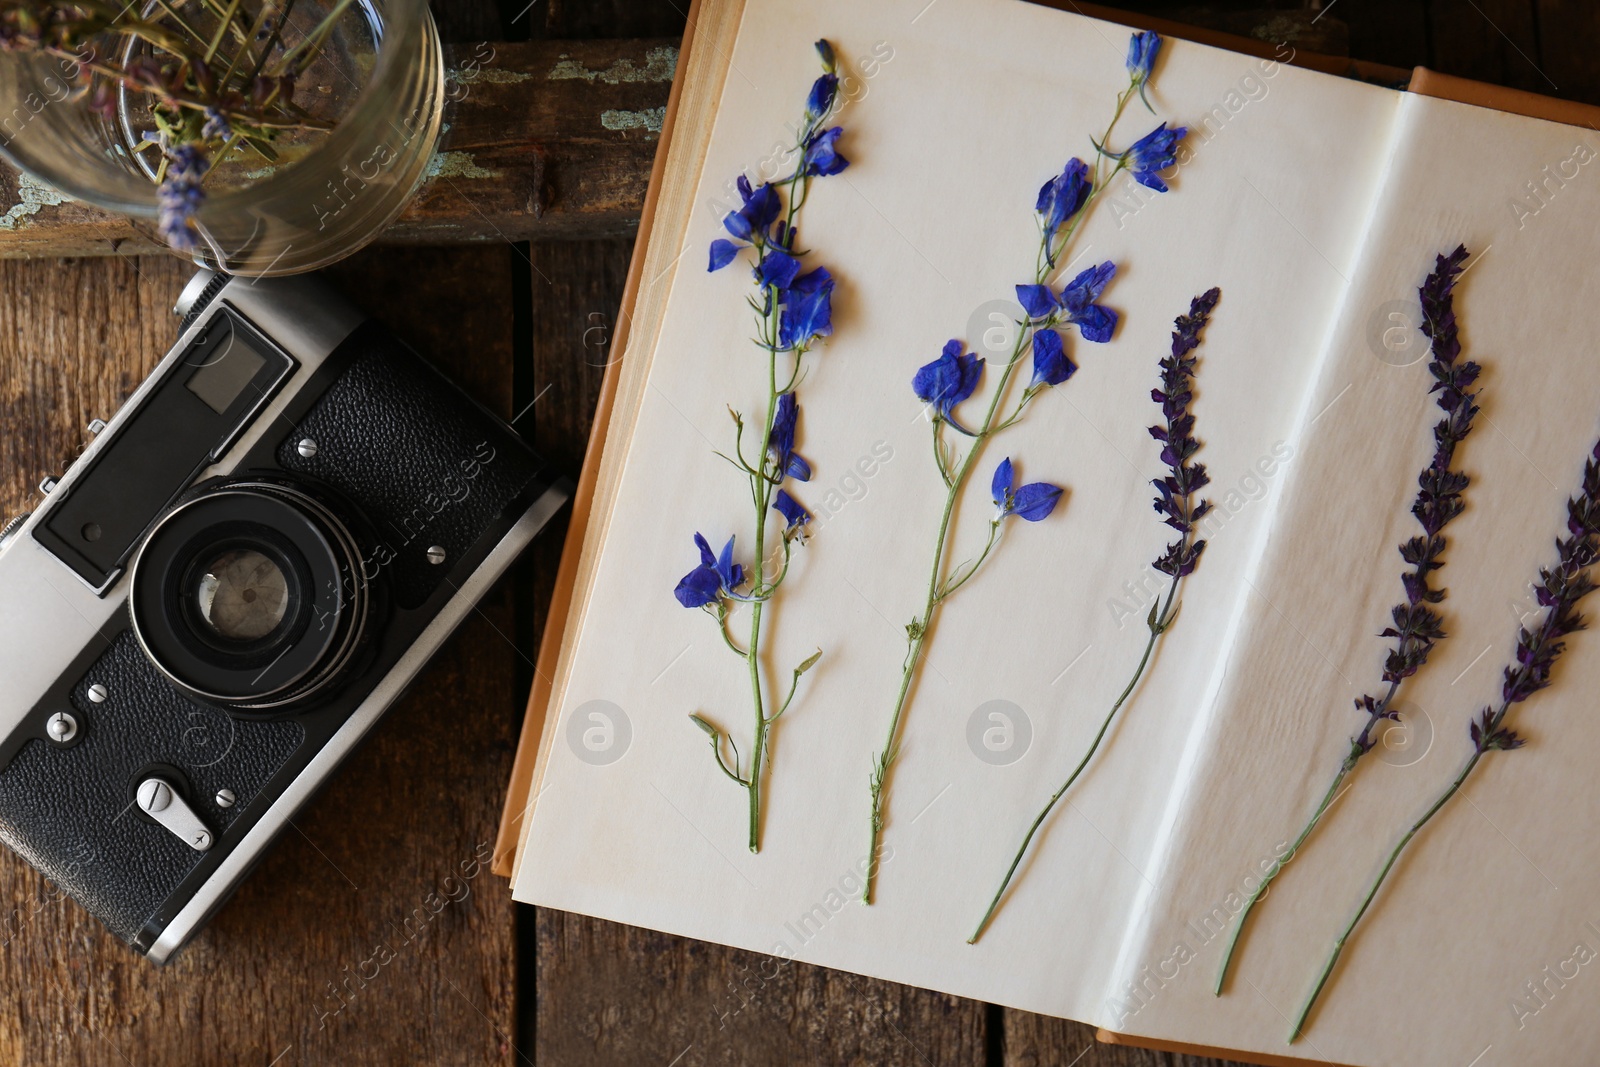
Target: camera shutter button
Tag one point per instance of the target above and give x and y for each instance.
(162, 803)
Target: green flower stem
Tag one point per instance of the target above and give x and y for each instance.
(917, 632)
(1358, 749)
(1045, 265)
(1338, 946)
(1159, 625)
(762, 485)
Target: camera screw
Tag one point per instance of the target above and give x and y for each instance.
(226, 799)
(436, 555)
(98, 693)
(61, 727)
(154, 795)
(307, 448)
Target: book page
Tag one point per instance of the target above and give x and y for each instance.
(1470, 953)
(969, 107)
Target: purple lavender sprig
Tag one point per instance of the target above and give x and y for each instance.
(1560, 589)
(179, 196)
(1417, 627)
(1174, 500)
(1175, 492)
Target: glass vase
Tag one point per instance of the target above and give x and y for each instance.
(371, 101)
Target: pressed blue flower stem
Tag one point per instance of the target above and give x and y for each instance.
(1358, 748)
(995, 526)
(917, 632)
(1159, 625)
(1338, 945)
(761, 489)
(1050, 253)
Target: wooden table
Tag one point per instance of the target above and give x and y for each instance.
(281, 977)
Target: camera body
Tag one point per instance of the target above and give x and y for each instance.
(229, 587)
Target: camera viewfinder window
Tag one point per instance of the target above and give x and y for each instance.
(228, 368)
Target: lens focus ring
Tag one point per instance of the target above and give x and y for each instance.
(250, 595)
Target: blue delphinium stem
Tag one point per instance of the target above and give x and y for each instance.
(1417, 626)
(1063, 204)
(794, 312)
(1561, 589)
(1175, 500)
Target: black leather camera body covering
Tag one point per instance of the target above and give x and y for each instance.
(404, 501)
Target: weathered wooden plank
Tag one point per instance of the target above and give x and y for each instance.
(1568, 30)
(547, 139)
(290, 968)
(572, 19)
(1040, 1041)
(620, 995)
(1393, 32)
(1489, 40)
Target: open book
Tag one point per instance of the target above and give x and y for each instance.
(1317, 205)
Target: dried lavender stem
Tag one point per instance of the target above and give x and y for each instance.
(1156, 630)
(1562, 588)
(1357, 750)
(1338, 945)
(1417, 628)
(1175, 499)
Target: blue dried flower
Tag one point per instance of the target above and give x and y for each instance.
(823, 93)
(1142, 50)
(948, 380)
(807, 310)
(180, 196)
(722, 253)
(1074, 304)
(1152, 153)
(716, 577)
(1060, 199)
(1032, 502)
(749, 224)
(777, 269)
(1051, 365)
(821, 157)
(794, 514)
(780, 442)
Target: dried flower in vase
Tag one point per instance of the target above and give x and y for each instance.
(1560, 589)
(794, 313)
(1417, 626)
(218, 80)
(1049, 308)
(1175, 502)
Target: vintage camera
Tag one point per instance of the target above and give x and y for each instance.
(229, 586)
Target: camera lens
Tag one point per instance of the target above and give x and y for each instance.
(250, 595)
(242, 595)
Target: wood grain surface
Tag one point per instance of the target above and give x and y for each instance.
(278, 977)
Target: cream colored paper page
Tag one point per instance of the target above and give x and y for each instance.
(1500, 886)
(974, 104)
